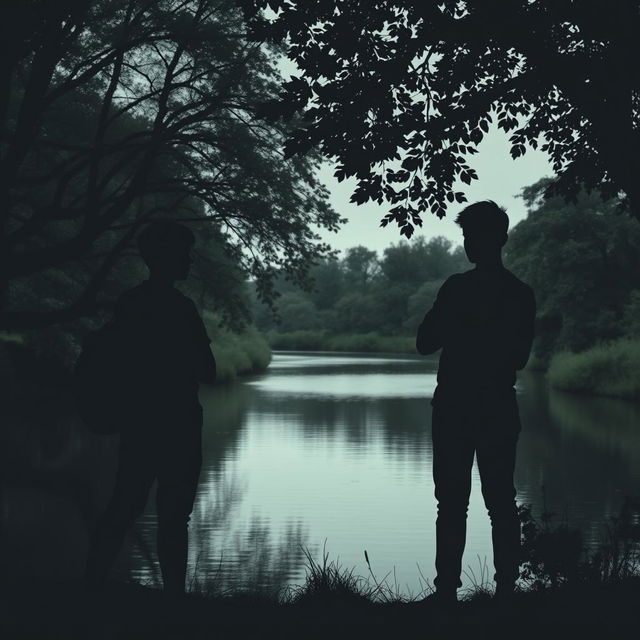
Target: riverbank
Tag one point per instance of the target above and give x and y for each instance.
(237, 353)
(324, 341)
(333, 602)
(611, 369)
(64, 610)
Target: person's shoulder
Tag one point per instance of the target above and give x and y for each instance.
(456, 280)
(463, 276)
(180, 305)
(188, 307)
(518, 286)
(184, 300)
(145, 295)
(453, 287)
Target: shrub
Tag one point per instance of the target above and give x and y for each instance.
(236, 353)
(611, 369)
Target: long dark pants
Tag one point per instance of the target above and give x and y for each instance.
(175, 462)
(490, 431)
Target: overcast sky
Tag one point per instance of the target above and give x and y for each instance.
(500, 179)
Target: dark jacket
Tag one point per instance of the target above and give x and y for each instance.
(483, 320)
(168, 352)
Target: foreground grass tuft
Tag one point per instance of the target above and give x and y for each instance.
(328, 581)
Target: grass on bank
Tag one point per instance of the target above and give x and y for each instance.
(611, 369)
(554, 558)
(590, 593)
(237, 353)
(323, 341)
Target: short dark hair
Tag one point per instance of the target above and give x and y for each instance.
(162, 237)
(485, 215)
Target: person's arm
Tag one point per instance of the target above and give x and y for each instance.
(523, 330)
(206, 367)
(205, 362)
(431, 332)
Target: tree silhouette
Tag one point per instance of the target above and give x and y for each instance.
(401, 92)
(116, 111)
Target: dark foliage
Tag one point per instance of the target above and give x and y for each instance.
(554, 554)
(401, 93)
(115, 112)
(583, 262)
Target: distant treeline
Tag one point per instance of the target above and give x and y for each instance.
(364, 293)
(582, 260)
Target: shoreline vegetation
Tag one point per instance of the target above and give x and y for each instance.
(240, 354)
(237, 353)
(563, 584)
(610, 369)
(311, 340)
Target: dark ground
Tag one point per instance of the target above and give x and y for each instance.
(64, 610)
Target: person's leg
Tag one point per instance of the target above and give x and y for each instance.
(453, 450)
(177, 485)
(496, 452)
(133, 481)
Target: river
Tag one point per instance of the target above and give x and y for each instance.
(322, 453)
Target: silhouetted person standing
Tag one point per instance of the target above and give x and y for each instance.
(483, 321)
(167, 355)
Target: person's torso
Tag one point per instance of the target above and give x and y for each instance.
(481, 311)
(158, 328)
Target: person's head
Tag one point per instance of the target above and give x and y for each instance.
(484, 226)
(165, 246)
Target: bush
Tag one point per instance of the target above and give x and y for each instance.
(537, 363)
(611, 369)
(236, 353)
(551, 552)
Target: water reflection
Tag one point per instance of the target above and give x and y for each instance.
(224, 557)
(322, 446)
(581, 452)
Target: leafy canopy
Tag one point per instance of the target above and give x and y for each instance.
(400, 93)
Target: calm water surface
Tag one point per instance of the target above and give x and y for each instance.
(333, 452)
(328, 451)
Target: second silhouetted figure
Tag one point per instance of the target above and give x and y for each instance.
(166, 354)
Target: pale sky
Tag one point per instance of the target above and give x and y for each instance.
(500, 178)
